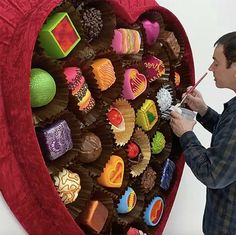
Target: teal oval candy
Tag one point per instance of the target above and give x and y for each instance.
(42, 87)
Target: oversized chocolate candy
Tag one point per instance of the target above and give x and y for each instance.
(55, 140)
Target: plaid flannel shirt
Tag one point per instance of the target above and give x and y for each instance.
(216, 168)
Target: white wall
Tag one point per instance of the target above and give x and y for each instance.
(204, 21)
(8, 223)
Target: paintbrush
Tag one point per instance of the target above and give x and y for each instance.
(190, 90)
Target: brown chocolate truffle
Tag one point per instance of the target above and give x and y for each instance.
(148, 179)
(92, 23)
(90, 147)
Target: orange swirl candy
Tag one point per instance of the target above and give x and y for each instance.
(104, 73)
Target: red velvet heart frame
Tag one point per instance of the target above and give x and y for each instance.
(24, 179)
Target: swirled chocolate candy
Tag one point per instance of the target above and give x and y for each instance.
(90, 147)
(55, 140)
(68, 185)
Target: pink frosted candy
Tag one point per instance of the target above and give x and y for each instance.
(135, 231)
(152, 30)
(135, 84)
(74, 75)
(117, 42)
(75, 79)
(126, 41)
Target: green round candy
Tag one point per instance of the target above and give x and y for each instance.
(42, 87)
(158, 142)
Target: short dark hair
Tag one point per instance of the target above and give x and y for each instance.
(228, 41)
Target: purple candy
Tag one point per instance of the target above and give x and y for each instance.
(55, 140)
(167, 174)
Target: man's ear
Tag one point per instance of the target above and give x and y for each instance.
(233, 67)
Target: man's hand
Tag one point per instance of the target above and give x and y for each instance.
(180, 125)
(195, 102)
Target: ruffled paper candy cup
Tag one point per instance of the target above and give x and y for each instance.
(131, 216)
(142, 141)
(96, 167)
(104, 38)
(76, 207)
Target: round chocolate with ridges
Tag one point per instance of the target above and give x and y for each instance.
(90, 147)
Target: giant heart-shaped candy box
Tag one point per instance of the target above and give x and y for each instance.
(24, 179)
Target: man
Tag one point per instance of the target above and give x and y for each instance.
(215, 166)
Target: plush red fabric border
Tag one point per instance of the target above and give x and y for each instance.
(24, 180)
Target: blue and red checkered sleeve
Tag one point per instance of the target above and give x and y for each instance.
(209, 120)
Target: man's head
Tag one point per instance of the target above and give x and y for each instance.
(224, 64)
